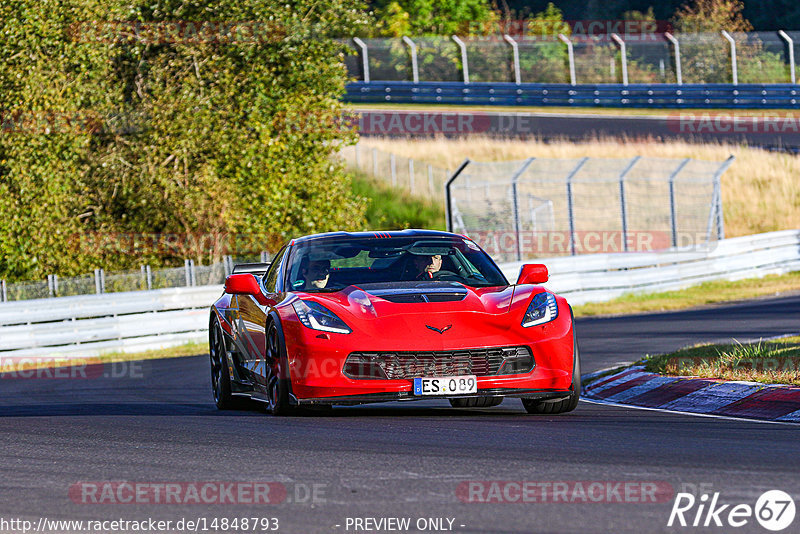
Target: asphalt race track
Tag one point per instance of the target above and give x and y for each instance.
(157, 424)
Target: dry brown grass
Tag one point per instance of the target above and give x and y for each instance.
(760, 192)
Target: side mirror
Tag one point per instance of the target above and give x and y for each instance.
(246, 284)
(533, 273)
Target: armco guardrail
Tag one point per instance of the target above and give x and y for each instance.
(601, 277)
(759, 96)
(89, 325)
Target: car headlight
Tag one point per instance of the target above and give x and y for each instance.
(542, 309)
(318, 317)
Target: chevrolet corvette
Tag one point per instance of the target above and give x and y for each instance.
(351, 318)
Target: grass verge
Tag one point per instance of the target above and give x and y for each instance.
(770, 362)
(760, 191)
(392, 208)
(699, 295)
(17, 365)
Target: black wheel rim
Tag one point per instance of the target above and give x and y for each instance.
(273, 362)
(217, 350)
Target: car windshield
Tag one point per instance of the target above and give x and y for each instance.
(331, 264)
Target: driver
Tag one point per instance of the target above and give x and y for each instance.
(316, 274)
(426, 266)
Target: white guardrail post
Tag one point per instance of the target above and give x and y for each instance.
(790, 42)
(412, 48)
(364, 57)
(677, 47)
(515, 52)
(571, 54)
(734, 68)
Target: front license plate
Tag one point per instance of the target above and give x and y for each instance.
(446, 385)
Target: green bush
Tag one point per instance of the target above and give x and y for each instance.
(168, 135)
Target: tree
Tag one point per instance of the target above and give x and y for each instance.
(438, 17)
(706, 56)
(226, 135)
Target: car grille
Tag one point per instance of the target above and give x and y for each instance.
(478, 362)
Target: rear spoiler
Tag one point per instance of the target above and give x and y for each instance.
(255, 268)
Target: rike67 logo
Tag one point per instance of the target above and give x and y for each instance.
(774, 510)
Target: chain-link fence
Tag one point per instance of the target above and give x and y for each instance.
(140, 279)
(545, 207)
(754, 57)
(414, 176)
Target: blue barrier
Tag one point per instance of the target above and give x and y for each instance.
(765, 96)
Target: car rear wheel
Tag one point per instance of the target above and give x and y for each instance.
(565, 405)
(476, 402)
(220, 375)
(278, 383)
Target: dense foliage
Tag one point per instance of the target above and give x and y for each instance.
(114, 130)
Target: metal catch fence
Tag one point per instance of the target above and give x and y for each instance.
(144, 278)
(544, 207)
(414, 176)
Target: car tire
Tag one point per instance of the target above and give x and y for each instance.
(220, 374)
(476, 402)
(279, 384)
(536, 406)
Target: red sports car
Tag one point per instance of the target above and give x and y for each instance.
(350, 318)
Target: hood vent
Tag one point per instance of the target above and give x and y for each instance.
(405, 293)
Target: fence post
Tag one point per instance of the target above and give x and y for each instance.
(374, 162)
(623, 53)
(448, 196)
(515, 200)
(52, 284)
(677, 47)
(3, 291)
(673, 218)
(264, 256)
(622, 202)
(430, 179)
(715, 211)
(193, 272)
(98, 282)
(571, 54)
(734, 69)
(515, 51)
(364, 57)
(413, 49)
(570, 209)
(393, 168)
(464, 62)
(187, 272)
(149, 275)
(790, 42)
(411, 174)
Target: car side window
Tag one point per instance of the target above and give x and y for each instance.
(271, 276)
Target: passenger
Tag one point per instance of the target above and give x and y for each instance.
(316, 274)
